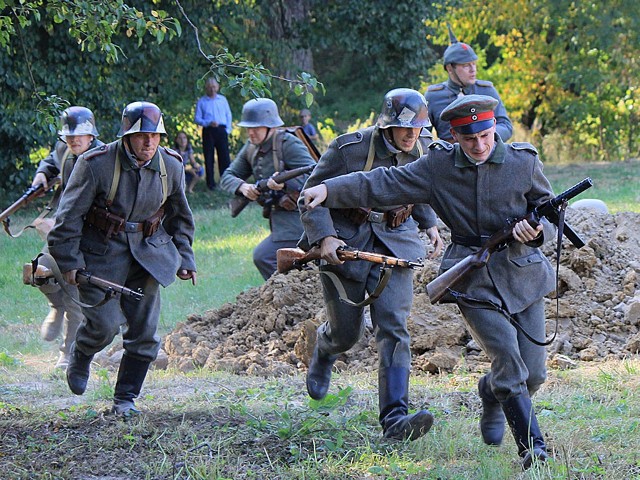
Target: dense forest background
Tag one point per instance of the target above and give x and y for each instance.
(567, 71)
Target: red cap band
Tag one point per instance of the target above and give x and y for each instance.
(459, 122)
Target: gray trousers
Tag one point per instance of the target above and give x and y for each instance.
(264, 255)
(517, 364)
(345, 324)
(139, 318)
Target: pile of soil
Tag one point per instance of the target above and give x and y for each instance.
(270, 330)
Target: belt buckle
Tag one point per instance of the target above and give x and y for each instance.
(376, 217)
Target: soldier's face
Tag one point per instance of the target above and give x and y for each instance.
(477, 146)
(144, 145)
(257, 135)
(465, 73)
(78, 144)
(405, 138)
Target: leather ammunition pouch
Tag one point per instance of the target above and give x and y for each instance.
(111, 224)
(289, 201)
(393, 218)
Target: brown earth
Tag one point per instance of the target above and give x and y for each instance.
(270, 330)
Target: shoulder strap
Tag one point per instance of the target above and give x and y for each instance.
(115, 180)
(163, 178)
(278, 163)
(63, 160)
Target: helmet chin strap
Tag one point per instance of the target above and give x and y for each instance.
(130, 148)
(389, 138)
(457, 78)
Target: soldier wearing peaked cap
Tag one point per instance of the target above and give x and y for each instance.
(473, 186)
(460, 64)
(124, 217)
(398, 138)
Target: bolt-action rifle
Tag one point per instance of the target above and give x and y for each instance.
(44, 276)
(30, 194)
(438, 287)
(237, 203)
(290, 258)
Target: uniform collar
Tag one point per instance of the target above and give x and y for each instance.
(129, 163)
(497, 156)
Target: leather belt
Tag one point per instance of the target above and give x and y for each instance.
(469, 241)
(133, 227)
(377, 217)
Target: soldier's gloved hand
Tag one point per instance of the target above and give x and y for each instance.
(70, 277)
(436, 241)
(184, 274)
(314, 196)
(273, 185)
(328, 250)
(249, 190)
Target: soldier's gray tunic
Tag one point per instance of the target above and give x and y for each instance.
(285, 225)
(126, 258)
(440, 96)
(348, 153)
(474, 200)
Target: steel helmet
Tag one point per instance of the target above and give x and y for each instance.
(77, 121)
(141, 117)
(260, 112)
(404, 107)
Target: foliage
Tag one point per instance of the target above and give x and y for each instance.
(560, 66)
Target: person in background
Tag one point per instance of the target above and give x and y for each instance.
(214, 116)
(395, 140)
(307, 126)
(473, 186)
(78, 134)
(460, 64)
(267, 152)
(124, 217)
(193, 171)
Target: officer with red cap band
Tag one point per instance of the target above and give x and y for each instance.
(460, 64)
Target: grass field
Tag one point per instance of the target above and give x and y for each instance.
(212, 425)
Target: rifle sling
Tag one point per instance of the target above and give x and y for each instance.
(57, 274)
(385, 276)
(468, 300)
(46, 211)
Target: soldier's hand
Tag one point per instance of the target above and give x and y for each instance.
(523, 232)
(185, 274)
(250, 191)
(40, 179)
(273, 185)
(70, 277)
(436, 241)
(314, 196)
(328, 250)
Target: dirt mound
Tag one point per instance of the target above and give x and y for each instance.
(270, 330)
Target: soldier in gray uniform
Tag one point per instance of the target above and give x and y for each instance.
(78, 134)
(395, 140)
(475, 186)
(267, 152)
(460, 64)
(124, 217)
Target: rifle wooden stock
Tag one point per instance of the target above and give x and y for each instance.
(237, 203)
(30, 194)
(290, 258)
(43, 276)
(438, 287)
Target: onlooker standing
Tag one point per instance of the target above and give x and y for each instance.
(307, 126)
(193, 171)
(214, 116)
(460, 64)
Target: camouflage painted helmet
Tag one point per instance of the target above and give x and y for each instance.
(458, 52)
(260, 112)
(141, 117)
(77, 121)
(403, 107)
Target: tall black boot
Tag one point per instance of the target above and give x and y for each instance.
(319, 373)
(492, 420)
(393, 391)
(524, 426)
(78, 370)
(131, 375)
